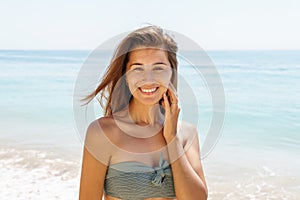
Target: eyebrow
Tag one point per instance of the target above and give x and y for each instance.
(157, 63)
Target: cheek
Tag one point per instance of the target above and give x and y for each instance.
(165, 79)
(132, 82)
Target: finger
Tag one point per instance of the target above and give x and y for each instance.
(173, 101)
(173, 94)
(173, 89)
(163, 104)
(166, 102)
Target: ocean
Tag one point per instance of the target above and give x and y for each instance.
(255, 157)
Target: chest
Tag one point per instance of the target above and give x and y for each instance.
(141, 145)
(145, 150)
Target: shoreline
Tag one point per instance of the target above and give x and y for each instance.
(229, 176)
(29, 170)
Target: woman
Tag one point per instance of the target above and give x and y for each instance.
(138, 150)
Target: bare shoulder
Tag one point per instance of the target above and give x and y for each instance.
(187, 132)
(97, 141)
(99, 124)
(104, 126)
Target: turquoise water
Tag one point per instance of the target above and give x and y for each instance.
(261, 129)
(261, 87)
(263, 97)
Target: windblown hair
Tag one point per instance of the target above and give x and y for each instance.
(114, 92)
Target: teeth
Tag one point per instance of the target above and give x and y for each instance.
(148, 90)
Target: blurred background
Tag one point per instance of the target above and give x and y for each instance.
(254, 45)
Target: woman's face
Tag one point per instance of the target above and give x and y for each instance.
(148, 74)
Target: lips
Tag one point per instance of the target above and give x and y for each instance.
(148, 90)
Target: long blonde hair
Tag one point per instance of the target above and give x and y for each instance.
(114, 83)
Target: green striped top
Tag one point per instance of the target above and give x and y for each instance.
(136, 181)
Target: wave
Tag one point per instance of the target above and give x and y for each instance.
(32, 174)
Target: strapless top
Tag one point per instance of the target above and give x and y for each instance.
(136, 181)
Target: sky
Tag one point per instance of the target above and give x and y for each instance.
(213, 24)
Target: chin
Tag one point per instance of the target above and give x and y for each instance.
(149, 103)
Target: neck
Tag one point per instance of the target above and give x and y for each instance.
(144, 114)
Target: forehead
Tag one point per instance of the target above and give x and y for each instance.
(148, 56)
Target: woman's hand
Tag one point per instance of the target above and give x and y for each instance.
(171, 114)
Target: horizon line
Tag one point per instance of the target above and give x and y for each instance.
(53, 49)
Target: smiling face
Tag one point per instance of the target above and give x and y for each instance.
(148, 74)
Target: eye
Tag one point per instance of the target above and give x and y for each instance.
(138, 69)
(158, 68)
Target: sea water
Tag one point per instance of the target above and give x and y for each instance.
(256, 157)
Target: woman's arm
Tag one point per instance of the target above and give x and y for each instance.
(92, 177)
(189, 181)
(188, 176)
(94, 163)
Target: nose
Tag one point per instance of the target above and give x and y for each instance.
(148, 75)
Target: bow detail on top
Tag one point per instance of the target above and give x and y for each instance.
(161, 171)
